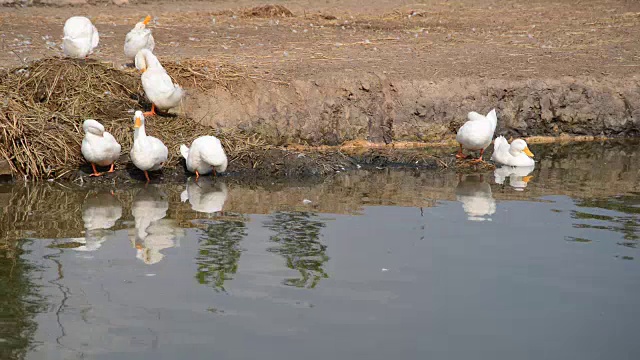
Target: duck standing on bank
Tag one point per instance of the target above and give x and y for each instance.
(138, 38)
(80, 37)
(477, 133)
(515, 154)
(98, 146)
(206, 155)
(157, 84)
(147, 153)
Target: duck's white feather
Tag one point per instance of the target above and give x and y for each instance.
(157, 84)
(80, 37)
(510, 155)
(206, 153)
(148, 153)
(477, 133)
(98, 146)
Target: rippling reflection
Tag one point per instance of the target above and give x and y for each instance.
(298, 238)
(153, 233)
(518, 176)
(621, 215)
(206, 195)
(219, 252)
(475, 195)
(19, 303)
(100, 213)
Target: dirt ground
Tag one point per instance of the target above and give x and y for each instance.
(442, 39)
(380, 70)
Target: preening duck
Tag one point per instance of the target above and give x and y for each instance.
(206, 155)
(477, 133)
(80, 37)
(98, 146)
(157, 84)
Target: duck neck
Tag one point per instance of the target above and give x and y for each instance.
(139, 133)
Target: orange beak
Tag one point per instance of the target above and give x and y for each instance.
(143, 70)
(139, 247)
(138, 122)
(526, 179)
(147, 19)
(528, 152)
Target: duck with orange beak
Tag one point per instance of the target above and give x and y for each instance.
(157, 84)
(515, 154)
(147, 153)
(139, 38)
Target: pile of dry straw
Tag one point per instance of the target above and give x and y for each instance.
(43, 105)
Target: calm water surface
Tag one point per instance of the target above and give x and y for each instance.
(538, 264)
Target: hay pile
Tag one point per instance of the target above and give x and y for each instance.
(43, 105)
(267, 11)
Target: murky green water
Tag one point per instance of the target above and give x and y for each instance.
(367, 265)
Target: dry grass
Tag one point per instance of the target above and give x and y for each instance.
(266, 11)
(43, 105)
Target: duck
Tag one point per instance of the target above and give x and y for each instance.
(100, 213)
(518, 176)
(206, 198)
(80, 37)
(157, 84)
(477, 133)
(139, 38)
(476, 197)
(206, 155)
(98, 146)
(515, 154)
(147, 153)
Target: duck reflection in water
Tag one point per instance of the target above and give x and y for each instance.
(99, 213)
(518, 176)
(475, 195)
(152, 232)
(206, 196)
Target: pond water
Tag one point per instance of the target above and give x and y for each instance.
(365, 265)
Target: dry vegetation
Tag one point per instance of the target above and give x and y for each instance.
(45, 103)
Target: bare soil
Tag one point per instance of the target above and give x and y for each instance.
(497, 39)
(385, 71)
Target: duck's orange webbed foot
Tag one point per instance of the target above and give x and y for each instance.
(95, 172)
(152, 112)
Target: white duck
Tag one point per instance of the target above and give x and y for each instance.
(157, 84)
(476, 198)
(100, 213)
(147, 153)
(206, 155)
(518, 176)
(98, 146)
(138, 38)
(207, 197)
(515, 154)
(80, 37)
(477, 133)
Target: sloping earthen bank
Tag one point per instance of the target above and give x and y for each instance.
(375, 107)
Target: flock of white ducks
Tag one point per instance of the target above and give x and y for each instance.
(206, 154)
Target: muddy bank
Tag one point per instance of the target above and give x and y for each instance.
(336, 108)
